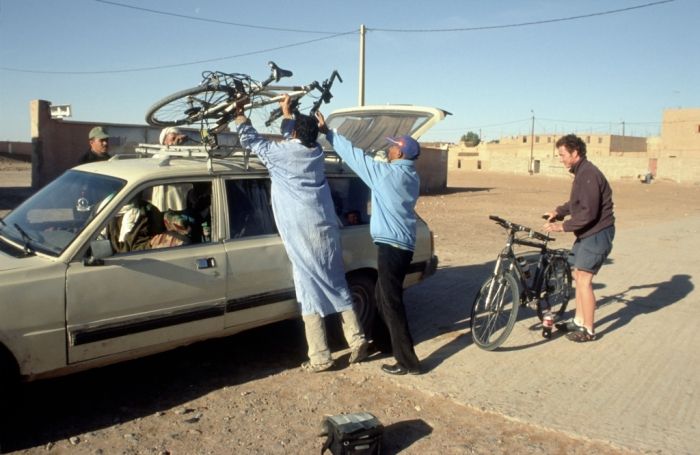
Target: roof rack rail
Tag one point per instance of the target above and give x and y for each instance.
(204, 152)
(167, 152)
(188, 151)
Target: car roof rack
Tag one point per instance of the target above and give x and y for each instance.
(167, 152)
(203, 152)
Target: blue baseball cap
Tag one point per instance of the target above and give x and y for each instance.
(408, 146)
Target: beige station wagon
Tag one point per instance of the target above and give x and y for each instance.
(121, 259)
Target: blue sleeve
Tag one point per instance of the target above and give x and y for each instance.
(252, 140)
(370, 171)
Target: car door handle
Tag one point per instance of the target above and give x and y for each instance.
(206, 263)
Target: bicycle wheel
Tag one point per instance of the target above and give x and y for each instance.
(263, 104)
(557, 288)
(493, 319)
(189, 106)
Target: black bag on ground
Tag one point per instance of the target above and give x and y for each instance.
(348, 434)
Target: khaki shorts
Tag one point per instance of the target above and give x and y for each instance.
(590, 253)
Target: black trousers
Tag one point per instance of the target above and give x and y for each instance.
(393, 265)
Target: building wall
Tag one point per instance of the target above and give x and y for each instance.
(432, 168)
(57, 145)
(19, 150)
(680, 133)
(674, 156)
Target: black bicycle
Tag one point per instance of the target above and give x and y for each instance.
(514, 283)
(213, 102)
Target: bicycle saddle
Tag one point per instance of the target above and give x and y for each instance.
(277, 72)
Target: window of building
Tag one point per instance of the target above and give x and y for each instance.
(537, 139)
(588, 139)
(524, 139)
(600, 140)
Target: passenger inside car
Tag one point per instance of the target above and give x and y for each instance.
(133, 226)
(178, 230)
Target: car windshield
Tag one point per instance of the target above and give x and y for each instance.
(51, 219)
(368, 131)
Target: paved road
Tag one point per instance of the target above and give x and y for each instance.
(637, 386)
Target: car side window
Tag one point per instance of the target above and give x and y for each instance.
(249, 208)
(351, 198)
(162, 216)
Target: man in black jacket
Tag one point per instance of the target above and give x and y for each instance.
(99, 146)
(590, 208)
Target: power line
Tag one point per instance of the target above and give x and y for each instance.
(151, 68)
(175, 65)
(520, 24)
(214, 21)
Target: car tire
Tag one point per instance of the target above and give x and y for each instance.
(8, 395)
(361, 287)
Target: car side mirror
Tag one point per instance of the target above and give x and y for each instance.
(100, 249)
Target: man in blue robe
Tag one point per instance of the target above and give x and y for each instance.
(308, 226)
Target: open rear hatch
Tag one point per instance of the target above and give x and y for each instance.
(367, 127)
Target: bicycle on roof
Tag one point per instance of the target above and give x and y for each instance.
(513, 284)
(212, 103)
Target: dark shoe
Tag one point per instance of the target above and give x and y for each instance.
(567, 326)
(580, 335)
(397, 369)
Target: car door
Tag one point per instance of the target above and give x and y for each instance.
(260, 284)
(147, 300)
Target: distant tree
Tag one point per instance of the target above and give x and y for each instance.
(471, 139)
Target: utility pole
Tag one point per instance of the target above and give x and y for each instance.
(361, 91)
(531, 169)
(623, 128)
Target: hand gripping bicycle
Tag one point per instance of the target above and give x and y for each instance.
(513, 284)
(214, 101)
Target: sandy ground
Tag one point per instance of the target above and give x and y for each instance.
(246, 394)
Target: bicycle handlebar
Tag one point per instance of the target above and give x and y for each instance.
(324, 97)
(520, 228)
(326, 94)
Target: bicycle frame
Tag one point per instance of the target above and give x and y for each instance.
(529, 292)
(219, 95)
(495, 308)
(225, 82)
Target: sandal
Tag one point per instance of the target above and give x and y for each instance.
(359, 354)
(581, 335)
(316, 367)
(567, 326)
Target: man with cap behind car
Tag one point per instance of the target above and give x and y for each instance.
(99, 146)
(395, 187)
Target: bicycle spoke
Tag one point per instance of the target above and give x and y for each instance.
(492, 319)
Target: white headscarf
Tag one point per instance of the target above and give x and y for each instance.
(164, 133)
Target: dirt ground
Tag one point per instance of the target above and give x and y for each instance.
(246, 394)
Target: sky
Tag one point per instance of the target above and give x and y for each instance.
(471, 58)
